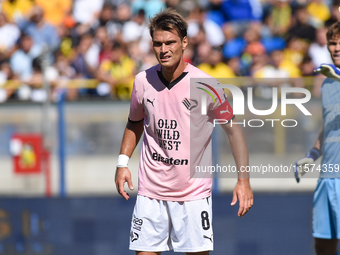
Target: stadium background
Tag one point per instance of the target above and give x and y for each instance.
(89, 53)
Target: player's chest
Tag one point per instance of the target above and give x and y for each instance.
(168, 103)
(331, 102)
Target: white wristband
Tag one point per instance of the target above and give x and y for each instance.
(123, 160)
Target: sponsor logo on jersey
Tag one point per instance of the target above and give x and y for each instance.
(221, 112)
(168, 136)
(151, 102)
(207, 237)
(170, 161)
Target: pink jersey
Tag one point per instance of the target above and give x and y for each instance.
(176, 135)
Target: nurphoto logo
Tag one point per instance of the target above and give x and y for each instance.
(238, 104)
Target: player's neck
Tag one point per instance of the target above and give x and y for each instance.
(172, 73)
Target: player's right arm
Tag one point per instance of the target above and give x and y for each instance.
(133, 132)
(311, 156)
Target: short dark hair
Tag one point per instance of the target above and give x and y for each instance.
(333, 31)
(168, 20)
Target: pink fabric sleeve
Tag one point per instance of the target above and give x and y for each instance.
(136, 104)
(224, 111)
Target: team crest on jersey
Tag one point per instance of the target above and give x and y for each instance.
(189, 103)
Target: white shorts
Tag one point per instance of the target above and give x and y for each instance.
(158, 225)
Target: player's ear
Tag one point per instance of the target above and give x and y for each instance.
(184, 42)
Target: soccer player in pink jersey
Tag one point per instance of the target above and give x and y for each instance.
(174, 210)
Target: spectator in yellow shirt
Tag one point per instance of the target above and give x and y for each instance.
(214, 66)
(319, 12)
(118, 71)
(16, 9)
(279, 68)
(55, 10)
(280, 17)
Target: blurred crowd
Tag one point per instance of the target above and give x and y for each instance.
(95, 48)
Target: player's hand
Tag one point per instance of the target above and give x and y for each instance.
(123, 175)
(329, 70)
(302, 165)
(244, 194)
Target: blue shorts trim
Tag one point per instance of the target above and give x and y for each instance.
(326, 209)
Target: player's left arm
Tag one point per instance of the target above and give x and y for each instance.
(242, 190)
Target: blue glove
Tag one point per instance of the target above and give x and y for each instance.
(329, 70)
(301, 166)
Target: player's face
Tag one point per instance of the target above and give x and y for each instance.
(334, 50)
(168, 47)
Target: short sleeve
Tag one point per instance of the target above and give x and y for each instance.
(222, 109)
(136, 105)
